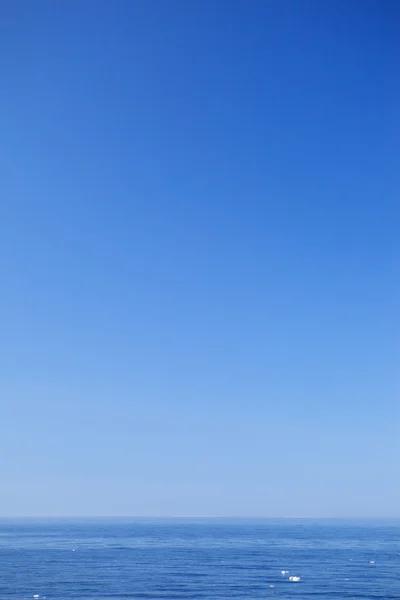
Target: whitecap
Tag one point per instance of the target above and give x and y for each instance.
(294, 578)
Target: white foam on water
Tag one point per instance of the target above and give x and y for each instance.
(294, 578)
(371, 562)
(284, 572)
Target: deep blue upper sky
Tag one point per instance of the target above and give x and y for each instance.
(199, 246)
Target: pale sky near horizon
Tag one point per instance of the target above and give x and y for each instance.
(199, 258)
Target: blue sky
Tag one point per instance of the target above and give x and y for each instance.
(199, 258)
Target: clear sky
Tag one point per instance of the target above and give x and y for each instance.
(199, 246)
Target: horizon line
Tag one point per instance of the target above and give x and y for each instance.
(200, 517)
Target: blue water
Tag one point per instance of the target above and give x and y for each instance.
(127, 558)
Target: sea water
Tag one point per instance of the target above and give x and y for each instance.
(204, 558)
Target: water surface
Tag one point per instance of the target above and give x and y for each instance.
(203, 558)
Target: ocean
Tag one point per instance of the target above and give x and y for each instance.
(199, 558)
